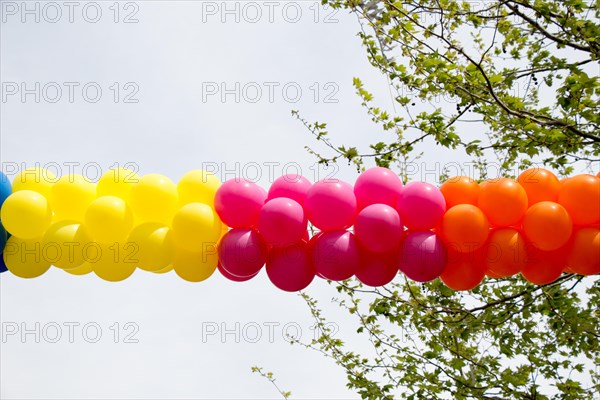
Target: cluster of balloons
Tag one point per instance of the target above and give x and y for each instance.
(538, 226)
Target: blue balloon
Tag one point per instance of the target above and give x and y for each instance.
(5, 188)
(2, 265)
(3, 237)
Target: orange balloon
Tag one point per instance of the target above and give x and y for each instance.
(543, 267)
(584, 255)
(505, 253)
(504, 201)
(580, 195)
(540, 185)
(463, 271)
(460, 190)
(465, 227)
(547, 225)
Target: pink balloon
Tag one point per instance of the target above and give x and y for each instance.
(292, 186)
(377, 185)
(282, 222)
(423, 256)
(421, 206)
(331, 205)
(238, 203)
(290, 268)
(335, 255)
(378, 228)
(232, 277)
(377, 269)
(242, 252)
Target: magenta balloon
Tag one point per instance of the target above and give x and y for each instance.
(423, 256)
(282, 222)
(290, 268)
(292, 186)
(331, 205)
(421, 206)
(335, 255)
(378, 228)
(238, 203)
(377, 269)
(232, 277)
(242, 252)
(377, 185)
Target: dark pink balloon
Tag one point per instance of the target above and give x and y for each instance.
(290, 268)
(292, 186)
(232, 277)
(331, 205)
(242, 252)
(377, 185)
(378, 228)
(335, 255)
(282, 221)
(423, 256)
(421, 206)
(377, 269)
(238, 203)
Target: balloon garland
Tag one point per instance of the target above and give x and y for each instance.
(537, 226)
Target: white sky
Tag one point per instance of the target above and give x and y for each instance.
(169, 61)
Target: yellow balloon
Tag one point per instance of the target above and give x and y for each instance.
(108, 219)
(63, 244)
(117, 182)
(36, 179)
(115, 261)
(83, 269)
(196, 226)
(154, 199)
(26, 214)
(195, 266)
(70, 196)
(24, 257)
(164, 270)
(198, 186)
(154, 246)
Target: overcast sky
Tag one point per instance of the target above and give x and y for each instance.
(166, 87)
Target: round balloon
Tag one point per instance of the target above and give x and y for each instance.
(37, 179)
(540, 185)
(463, 271)
(282, 222)
(5, 188)
(377, 186)
(505, 252)
(195, 266)
(115, 261)
(70, 196)
(23, 257)
(198, 186)
(460, 190)
(234, 278)
(154, 199)
(108, 219)
(292, 186)
(26, 214)
(242, 252)
(335, 255)
(423, 256)
(465, 227)
(331, 205)
(378, 228)
(503, 201)
(238, 203)
(543, 267)
(547, 225)
(83, 269)
(377, 269)
(584, 253)
(153, 244)
(117, 182)
(580, 195)
(421, 206)
(196, 226)
(63, 244)
(290, 268)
